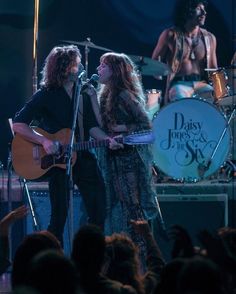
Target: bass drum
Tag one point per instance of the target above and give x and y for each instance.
(186, 133)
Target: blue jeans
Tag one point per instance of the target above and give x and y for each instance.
(187, 89)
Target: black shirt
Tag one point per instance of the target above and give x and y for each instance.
(53, 109)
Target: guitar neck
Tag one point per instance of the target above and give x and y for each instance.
(133, 139)
(85, 145)
(90, 144)
(31, 161)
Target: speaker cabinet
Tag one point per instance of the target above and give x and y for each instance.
(42, 209)
(192, 212)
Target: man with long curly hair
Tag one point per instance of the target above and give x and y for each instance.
(188, 49)
(53, 107)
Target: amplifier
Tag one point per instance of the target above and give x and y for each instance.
(42, 208)
(194, 213)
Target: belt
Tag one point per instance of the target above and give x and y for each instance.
(188, 78)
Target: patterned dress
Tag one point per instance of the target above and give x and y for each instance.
(128, 174)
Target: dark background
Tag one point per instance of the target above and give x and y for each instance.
(128, 26)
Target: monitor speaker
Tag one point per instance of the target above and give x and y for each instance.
(42, 209)
(194, 213)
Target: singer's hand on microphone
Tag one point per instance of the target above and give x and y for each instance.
(113, 144)
(90, 90)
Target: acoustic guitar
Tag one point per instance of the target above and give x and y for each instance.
(30, 160)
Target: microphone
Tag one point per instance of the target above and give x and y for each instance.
(92, 81)
(74, 77)
(93, 78)
(82, 74)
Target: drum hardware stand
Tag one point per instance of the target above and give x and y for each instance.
(163, 230)
(86, 54)
(203, 167)
(9, 193)
(2, 179)
(9, 187)
(229, 171)
(9, 178)
(36, 227)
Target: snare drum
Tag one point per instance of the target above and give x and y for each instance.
(153, 102)
(187, 132)
(219, 80)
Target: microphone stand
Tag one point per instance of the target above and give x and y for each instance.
(9, 193)
(69, 177)
(86, 54)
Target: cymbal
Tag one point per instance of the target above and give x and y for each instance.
(87, 43)
(231, 66)
(150, 67)
(212, 69)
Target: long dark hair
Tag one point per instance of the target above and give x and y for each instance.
(183, 10)
(124, 79)
(55, 70)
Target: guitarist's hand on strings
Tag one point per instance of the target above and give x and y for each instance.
(50, 147)
(113, 144)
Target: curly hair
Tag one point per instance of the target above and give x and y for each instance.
(55, 70)
(124, 79)
(183, 10)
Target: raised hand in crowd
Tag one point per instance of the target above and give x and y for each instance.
(5, 225)
(182, 246)
(217, 250)
(11, 217)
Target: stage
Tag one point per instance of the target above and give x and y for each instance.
(12, 191)
(208, 204)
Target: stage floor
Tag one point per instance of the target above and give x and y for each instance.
(169, 191)
(14, 185)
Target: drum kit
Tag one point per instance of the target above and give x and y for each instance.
(194, 137)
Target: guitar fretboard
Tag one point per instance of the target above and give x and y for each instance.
(90, 144)
(93, 144)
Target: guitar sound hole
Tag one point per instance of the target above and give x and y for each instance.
(51, 159)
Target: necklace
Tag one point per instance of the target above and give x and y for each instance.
(192, 43)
